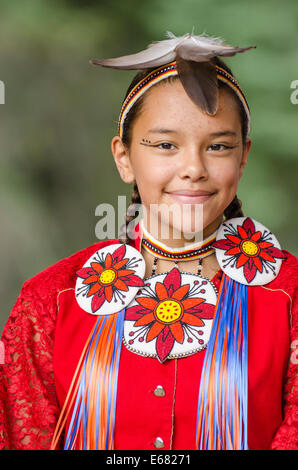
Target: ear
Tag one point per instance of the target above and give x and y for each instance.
(244, 158)
(121, 156)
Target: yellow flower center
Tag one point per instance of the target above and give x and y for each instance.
(250, 248)
(107, 276)
(168, 311)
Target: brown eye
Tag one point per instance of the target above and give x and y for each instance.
(218, 147)
(166, 146)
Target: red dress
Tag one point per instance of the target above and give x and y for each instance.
(47, 330)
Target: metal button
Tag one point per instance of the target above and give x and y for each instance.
(158, 443)
(159, 391)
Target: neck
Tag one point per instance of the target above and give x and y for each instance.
(175, 239)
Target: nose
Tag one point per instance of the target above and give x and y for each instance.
(192, 164)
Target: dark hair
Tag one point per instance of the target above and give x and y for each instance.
(234, 208)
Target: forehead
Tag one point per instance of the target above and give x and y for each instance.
(167, 105)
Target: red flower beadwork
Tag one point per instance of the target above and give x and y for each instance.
(166, 312)
(249, 248)
(109, 276)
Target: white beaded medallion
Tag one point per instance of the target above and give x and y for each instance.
(171, 316)
(247, 251)
(110, 279)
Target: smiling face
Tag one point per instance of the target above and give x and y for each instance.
(181, 157)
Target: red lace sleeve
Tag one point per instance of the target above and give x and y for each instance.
(286, 437)
(28, 405)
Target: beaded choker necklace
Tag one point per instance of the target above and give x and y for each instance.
(190, 252)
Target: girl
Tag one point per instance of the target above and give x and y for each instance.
(177, 335)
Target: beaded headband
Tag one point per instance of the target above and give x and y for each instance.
(188, 56)
(169, 70)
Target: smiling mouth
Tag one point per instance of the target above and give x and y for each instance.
(190, 197)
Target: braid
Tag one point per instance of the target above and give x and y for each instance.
(234, 209)
(135, 199)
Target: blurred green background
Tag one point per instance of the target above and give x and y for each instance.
(60, 114)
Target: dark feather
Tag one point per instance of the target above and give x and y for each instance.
(199, 79)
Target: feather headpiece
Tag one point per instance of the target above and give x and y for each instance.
(193, 56)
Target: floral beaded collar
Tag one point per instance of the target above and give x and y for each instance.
(170, 315)
(245, 249)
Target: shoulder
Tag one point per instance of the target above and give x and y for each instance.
(62, 274)
(287, 278)
(36, 304)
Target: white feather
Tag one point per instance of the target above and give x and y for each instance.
(198, 48)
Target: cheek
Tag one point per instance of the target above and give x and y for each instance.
(226, 176)
(154, 176)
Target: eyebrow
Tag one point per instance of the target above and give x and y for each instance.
(172, 131)
(158, 130)
(224, 133)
